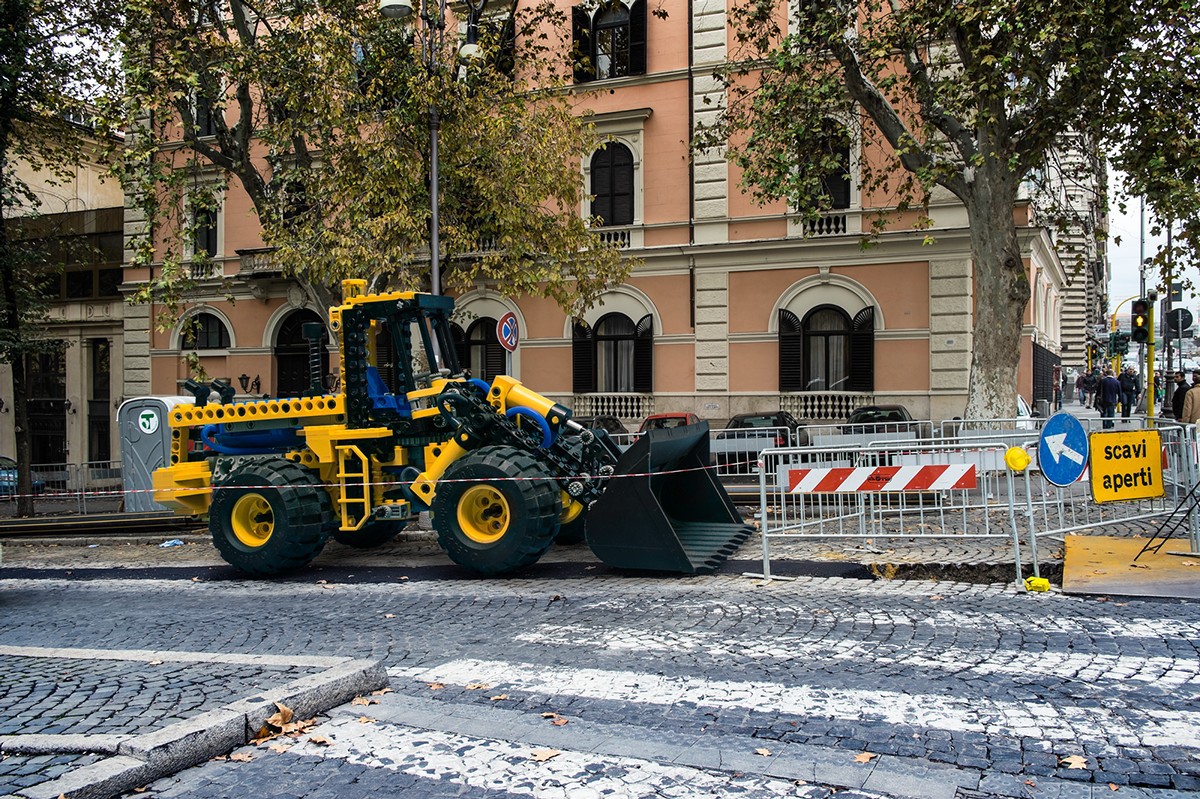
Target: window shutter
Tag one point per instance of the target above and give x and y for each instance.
(583, 359)
(581, 49)
(459, 337)
(637, 38)
(643, 355)
(602, 185)
(862, 351)
(494, 355)
(791, 352)
(622, 185)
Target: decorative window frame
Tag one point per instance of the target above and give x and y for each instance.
(177, 344)
(853, 214)
(627, 128)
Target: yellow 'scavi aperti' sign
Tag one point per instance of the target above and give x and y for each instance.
(1126, 465)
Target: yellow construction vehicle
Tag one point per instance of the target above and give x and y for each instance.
(502, 470)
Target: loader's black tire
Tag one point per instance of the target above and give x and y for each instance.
(496, 510)
(374, 534)
(270, 517)
(572, 532)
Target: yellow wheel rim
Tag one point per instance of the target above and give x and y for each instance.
(571, 509)
(483, 514)
(252, 520)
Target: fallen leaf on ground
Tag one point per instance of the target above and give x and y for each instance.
(403, 578)
(194, 579)
(366, 720)
(278, 749)
(319, 740)
(549, 715)
(1031, 783)
(1073, 761)
(381, 692)
(1138, 566)
(282, 717)
(241, 757)
(1112, 786)
(763, 752)
(155, 663)
(435, 686)
(362, 700)
(498, 697)
(478, 686)
(864, 757)
(936, 598)
(559, 722)
(542, 755)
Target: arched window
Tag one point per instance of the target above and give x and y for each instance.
(610, 44)
(612, 184)
(291, 354)
(614, 356)
(205, 331)
(827, 351)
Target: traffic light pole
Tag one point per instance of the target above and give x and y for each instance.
(1148, 386)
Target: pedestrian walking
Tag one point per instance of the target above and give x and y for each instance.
(1081, 386)
(1131, 387)
(1108, 394)
(1191, 403)
(1091, 383)
(1181, 390)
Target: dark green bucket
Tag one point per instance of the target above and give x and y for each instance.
(664, 509)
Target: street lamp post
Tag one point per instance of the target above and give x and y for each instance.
(433, 14)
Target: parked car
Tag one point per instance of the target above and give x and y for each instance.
(605, 422)
(662, 421)
(774, 421)
(8, 479)
(880, 419)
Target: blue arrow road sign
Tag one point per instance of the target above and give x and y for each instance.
(1063, 449)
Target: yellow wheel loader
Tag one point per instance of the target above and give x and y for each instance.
(501, 469)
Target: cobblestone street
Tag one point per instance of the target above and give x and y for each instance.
(586, 682)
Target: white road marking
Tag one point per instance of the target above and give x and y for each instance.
(966, 714)
(486, 764)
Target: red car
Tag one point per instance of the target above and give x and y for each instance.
(661, 421)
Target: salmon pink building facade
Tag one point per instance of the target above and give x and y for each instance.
(733, 306)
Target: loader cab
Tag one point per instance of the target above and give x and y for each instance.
(394, 346)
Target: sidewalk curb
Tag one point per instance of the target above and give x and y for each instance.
(157, 754)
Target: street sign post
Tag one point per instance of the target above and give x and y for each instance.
(508, 331)
(1063, 449)
(1126, 465)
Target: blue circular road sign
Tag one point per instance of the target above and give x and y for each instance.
(1063, 449)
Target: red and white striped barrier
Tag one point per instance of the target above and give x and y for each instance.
(881, 478)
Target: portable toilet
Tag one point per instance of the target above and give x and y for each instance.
(145, 447)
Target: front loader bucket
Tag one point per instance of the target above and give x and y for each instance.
(670, 513)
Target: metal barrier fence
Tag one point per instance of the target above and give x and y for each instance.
(92, 487)
(842, 486)
(886, 490)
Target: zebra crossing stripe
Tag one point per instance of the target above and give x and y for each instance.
(843, 480)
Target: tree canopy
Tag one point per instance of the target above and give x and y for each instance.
(976, 99)
(321, 113)
(54, 67)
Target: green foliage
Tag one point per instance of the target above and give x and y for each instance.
(975, 99)
(323, 117)
(53, 65)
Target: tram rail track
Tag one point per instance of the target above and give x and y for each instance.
(114, 523)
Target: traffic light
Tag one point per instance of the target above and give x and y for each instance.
(1140, 320)
(1121, 343)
